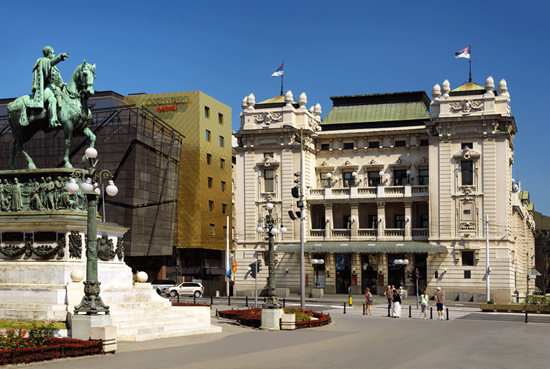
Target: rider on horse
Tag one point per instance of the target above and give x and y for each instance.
(47, 84)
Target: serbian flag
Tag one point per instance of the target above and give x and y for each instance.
(278, 72)
(465, 53)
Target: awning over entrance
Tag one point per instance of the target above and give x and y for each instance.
(367, 247)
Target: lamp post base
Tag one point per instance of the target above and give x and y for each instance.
(271, 319)
(91, 303)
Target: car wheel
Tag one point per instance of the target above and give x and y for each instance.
(197, 294)
(159, 291)
(173, 293)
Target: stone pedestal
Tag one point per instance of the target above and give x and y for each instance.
(271, 319)
(107, 334)
(81, 325)
(317, 293)
(288, 322)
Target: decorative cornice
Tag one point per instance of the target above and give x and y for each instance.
(467, 154)
(400, 164)
(373, 164)
(267, 118)
(268, 162)
(466, 106)
(348, 165)
(422, 163)
(325, 167)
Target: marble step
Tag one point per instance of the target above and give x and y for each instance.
(168, 334)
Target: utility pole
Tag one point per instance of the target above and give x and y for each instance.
(488, 271)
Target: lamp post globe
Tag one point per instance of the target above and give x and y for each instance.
(111, 189)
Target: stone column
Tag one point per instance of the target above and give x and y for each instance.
(381, 206)
(355, 220)
(330, 276)
(408, 221)
(356, 265)
(328, 219)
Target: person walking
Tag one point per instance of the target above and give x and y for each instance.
(439, 299)
(396, 304)
(424, 304)
(368, 301)
(389, 295)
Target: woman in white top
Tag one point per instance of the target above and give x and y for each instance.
(424, 298)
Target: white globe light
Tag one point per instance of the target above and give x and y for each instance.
(73, 187)
(259, 229)
(321, 261)
(354, 174)
(91, 153)
(408, 171)
(329, 175)
(111, 189)
(381, 173)
(283, 229)
(97, 190)
(87, 186)
(406, 261)
(269, 206)
(314, 261)
(274, 231)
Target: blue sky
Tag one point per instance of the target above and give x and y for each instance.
(229, 49)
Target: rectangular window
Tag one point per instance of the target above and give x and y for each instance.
(468, 258)
(348, 145)
(373, 221)
(221, 141)
(400, 177)
(424, 142)
(423, 177)
(425, 221)
(348, 179)
(400, 221)
(207, 135)
(325, 147)
(223, 186)
(224, 208)
(224, 231)
(212, 229)
(374, 178)
(206, 112)
(467, 170)
(208, 158)
(374, 144)
(222, 163)
(466, 144)
(467, 274)
(325, 180)
(220, 118)
(211, 205)
(400, 143)
(209, 182)
(269, 180)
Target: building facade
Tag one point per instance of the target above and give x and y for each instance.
(394, 184)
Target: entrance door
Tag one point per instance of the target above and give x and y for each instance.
(343, 273)
(369, 273)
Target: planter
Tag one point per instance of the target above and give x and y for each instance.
(487, 307)
(531, 308)
(516, 308)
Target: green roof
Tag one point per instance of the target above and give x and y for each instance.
(366, 246)
(377, 113)
(275, 100)
(524, 195)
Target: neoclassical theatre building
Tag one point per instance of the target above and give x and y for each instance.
(393, 183)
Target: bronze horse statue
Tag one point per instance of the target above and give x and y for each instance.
(73, 114)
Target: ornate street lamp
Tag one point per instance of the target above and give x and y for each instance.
(314, 263)
(269, 226)
(91, 303)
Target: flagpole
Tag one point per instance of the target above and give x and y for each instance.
(282, 76)
(470, 63)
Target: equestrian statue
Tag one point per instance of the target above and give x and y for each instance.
(53, 105)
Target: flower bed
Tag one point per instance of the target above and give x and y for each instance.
(252, 317)
(57, 348)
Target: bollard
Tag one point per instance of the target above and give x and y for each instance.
(431, 313)
(389, 311)
(211, 300)
(194, 299)
(344, 307)
(447, 313)
(246, 301)
(350, 301)
(284, 303)
(526, 317)
(228, 300)
(410, 316)
(178, 298)
(364, 309)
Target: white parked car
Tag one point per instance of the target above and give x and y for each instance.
(186, 289)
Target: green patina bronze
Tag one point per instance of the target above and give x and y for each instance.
(53, 105)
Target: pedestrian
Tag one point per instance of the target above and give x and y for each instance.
(401, 292)
(396, 304)
(439, 299)
(368, 301)
(389, 296)
(424, 304)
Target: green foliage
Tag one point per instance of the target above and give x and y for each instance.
(490, 302)
(39, 335)
(301, 315)
(16, 324)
